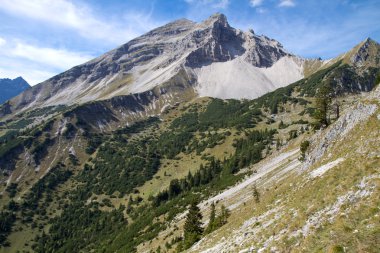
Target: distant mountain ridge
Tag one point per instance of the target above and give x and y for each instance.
(10, 88)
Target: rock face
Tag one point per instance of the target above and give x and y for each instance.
(10, 88)
(339, 130)
(220, 43)
(181, 48)
(366, 53)
(216, 41)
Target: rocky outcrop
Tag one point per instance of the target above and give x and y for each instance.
(217, 42)
(224, 43)
(263, 51)
(365, 52)
(340, 129)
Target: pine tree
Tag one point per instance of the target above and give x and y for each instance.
(278, 144)
(129, 205)
(323, 104)
(190, 179)
(197, 178)
(211, 223)
(193, 226)
(256, 194)
(224, 214)
(303, 148)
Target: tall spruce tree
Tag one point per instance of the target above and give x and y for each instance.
(323, 104)
(211, 223)
(193, 226)
(224, 214)
(256, 194)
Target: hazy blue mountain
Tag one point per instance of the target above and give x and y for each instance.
(10, 88)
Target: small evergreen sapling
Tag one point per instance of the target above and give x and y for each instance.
(256, 194)
(303, 148)
(211, 224)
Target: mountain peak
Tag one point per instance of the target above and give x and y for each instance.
(171, 28)
(16, 80)
(19, 78)
(365, 53)
(12, 87)
(217, 18)
(367, 42)
(180, 22)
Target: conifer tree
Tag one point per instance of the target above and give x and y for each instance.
(211, 223)
(278, 144)
(323, 104)
(193, 226)
(224, 214)
(129, 205)
(256, 194)
(303, 148)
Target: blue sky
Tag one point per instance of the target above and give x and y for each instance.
(41, 38)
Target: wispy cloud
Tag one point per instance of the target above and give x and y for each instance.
(2, 41)
(222, 4)
(287, 3)
(281, 3)
(261, 10)
(255, 3)
(38, 61)
(33, 62)
(57, 58)
(318, 39)
(78, 17)
(215, 4)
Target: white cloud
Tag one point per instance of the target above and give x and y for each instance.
(305, 37)
(34, 63)
(255, 3)
(261, 10)
(37, 63)
(222, 4)
(2, 41)
(58, 58)
(287, 3)
(80, 18)
(216, 4)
